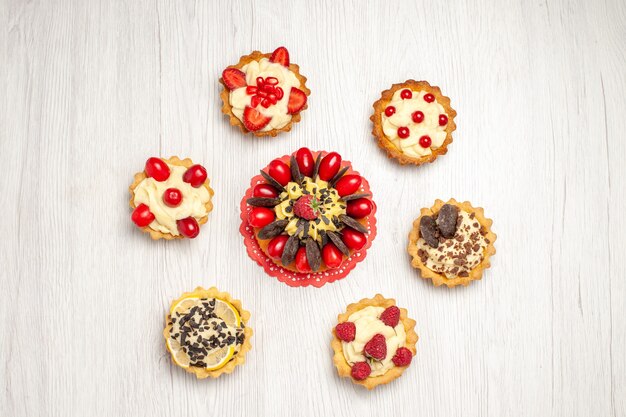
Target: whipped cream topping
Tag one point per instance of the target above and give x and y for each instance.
(457, 256)
(405, 108)
(150, 192)
(368, 324)
(330, 207)
(239, 99)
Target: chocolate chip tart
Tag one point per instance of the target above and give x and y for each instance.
(207, 333)
(451, 243)
(399, 340)
(263, 92)
(413, 122)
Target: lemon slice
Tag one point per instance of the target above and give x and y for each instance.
(184, 305)
(228, 313)
(178, 354)
(218, 358)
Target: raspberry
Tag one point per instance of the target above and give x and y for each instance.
(376, 348)
(391, 316)
(361, 370)
(346, 331)
(402, 357)
(307, 207)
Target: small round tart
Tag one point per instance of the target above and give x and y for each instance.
(264, 93)
(451, 243)
(171, 198)
(206, 332)
(413, 122)
(374, 341)
(310, 214)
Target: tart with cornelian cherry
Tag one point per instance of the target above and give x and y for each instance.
(374, 341)
(310, 213)
(413, 122)
(171, 198)
(206, 332)
(264, 93)
(451, 243)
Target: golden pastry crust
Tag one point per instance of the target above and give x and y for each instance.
(437, 278)
(238, 359)
(140, 176)
(228, 110)
(343, 367)
(388, 146)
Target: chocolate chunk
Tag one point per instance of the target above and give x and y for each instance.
(337, 176)
(354, 196)
(291, 248)
(350, 222)
(263, 201)
(316, 167)
(334, 237)
(272, 181)
(447, 220)
(429, 231)
(295, 170)
(313, 255)
(273, 229)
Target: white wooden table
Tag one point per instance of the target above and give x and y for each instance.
(90, 89)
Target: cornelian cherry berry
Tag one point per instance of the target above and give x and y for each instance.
(142, 216)
(172, 197)
(429, 98)
(418, 117)
(406, 93)
(390, 111)
(403, 132)
(195, 175)
(425, 141)
(443, 120)
(157, 168)
(188, 227)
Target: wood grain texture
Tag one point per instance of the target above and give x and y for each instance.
(90, 89)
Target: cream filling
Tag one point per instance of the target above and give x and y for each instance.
(457, 256)
(368, 324)
(330, 206)
(402, 118)
(239, 99)
(150, 192)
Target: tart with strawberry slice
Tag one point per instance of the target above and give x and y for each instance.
(264, 93)
(373, 342)
(308, 218)
(171, 198)
(413, 122)
(206, 332)
(451, 243)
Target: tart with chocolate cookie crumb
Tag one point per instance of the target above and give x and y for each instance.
(451, 243)
(373, 342)
(264, 93)
(413, 122)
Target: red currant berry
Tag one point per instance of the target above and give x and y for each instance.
(418, 117)
(195, 175)
(390, 111)
(172, 197)
(443, 120)
(425, 141)
(406, 93)
(403, 132)
(429, 98)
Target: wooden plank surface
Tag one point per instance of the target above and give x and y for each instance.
(90, 89)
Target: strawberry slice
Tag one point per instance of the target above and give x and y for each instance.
(253, 120)
(234, 78)
(281, 56)
(297, 100)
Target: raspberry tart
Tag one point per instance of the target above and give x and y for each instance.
(451, 243)
(374, 342)
(171, 198)
(413, 122)
(206, 332)
(264, 93)
(308, 218)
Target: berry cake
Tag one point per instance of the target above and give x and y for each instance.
(413, 122)
(264, 93)
(171, 198)
(374, 341)
(451, 243)
(206, 332)
(310, 215)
